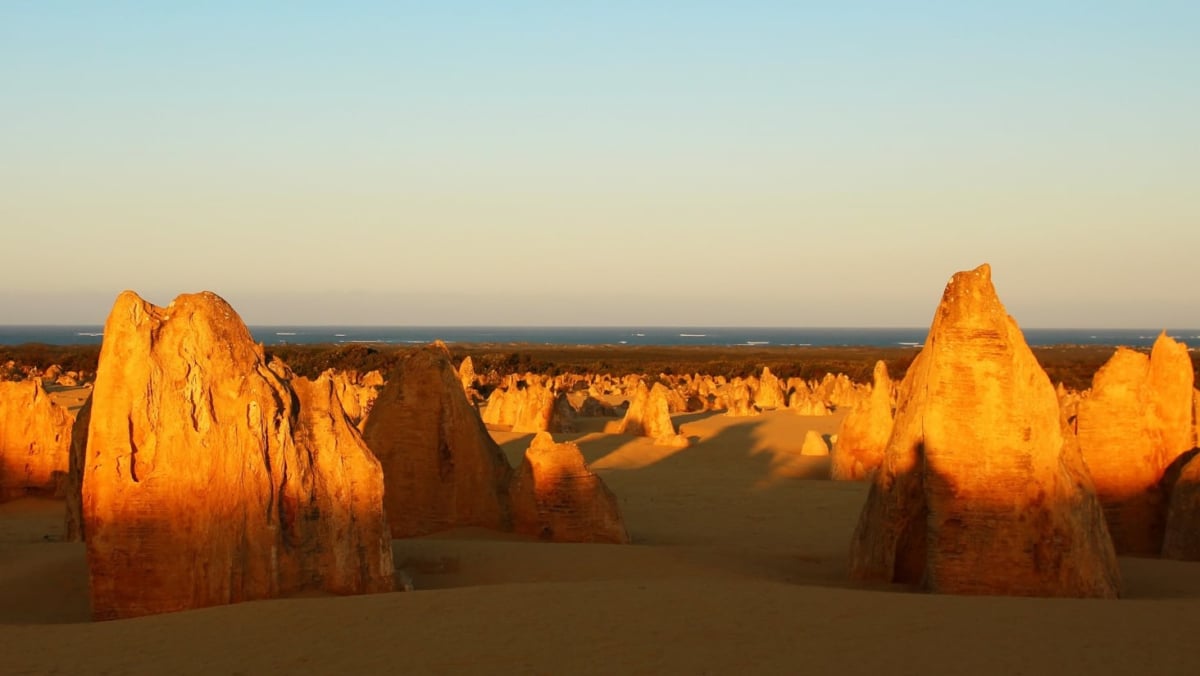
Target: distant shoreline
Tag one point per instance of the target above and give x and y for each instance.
(632, 336)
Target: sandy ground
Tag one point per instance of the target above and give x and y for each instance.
(738, 566)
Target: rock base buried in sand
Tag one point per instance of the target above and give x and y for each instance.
(980, 490)
(556, 497)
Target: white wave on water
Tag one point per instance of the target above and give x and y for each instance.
(693, 335)
(911, 344)
(339, 335)
(757, 342)
(285, 333)
(89, 334)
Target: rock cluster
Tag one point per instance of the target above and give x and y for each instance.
(649, 416)
(443, 470)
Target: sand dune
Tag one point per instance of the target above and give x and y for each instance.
(738, 565)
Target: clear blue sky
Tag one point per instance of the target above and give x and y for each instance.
(699, 163)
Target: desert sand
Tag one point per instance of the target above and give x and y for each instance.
(738, 565)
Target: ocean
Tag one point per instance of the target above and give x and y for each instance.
(611, 335)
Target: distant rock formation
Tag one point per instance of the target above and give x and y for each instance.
(1136, 420)
(769, 394)
(35, 441)
(441, 467)
(212, 478)
(807, 404)
(466, 373)
(738, 400)
(648, 416)
(814, 444)
(528, 405)
(864, 433)
(556, 497)
(981, 491)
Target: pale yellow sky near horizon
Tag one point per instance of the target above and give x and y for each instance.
(514, 170)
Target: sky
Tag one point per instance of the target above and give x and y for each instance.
(601, 163)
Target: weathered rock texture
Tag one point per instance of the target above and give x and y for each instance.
(209, 478)
(441, 467)
(1131, 427)
(649, 416)
(35, 441)
(555, 497)
(980, 491)
(864, 433)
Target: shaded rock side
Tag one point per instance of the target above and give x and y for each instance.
(864, 433)
(73, 530)
(1136, 420)
(981, 491)
(209, 480)
(35, 441)
(1181, 536)
(649, 416)
(441, 468)
(556, 497)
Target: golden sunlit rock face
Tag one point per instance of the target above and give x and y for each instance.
(556, 497)
(35, 441)
(981, 491)
(212, 478)
(1137, 419)
(441, 467)
(863, 435)
(769, 394)
(529, 404)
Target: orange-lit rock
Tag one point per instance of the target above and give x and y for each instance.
(556, 497)
(209, 478)
(981, 491)
(1136, 420)
(441, 467)
(357, 398)
(35, 441)
(864, 433)
(814, 444)
(738, 400)
(649, 416)
(769, 394)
